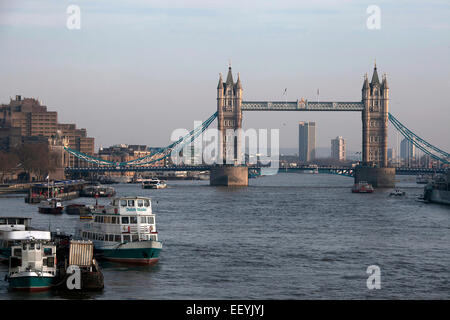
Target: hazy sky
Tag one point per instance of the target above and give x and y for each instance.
(136, 70)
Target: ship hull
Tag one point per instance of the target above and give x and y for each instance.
(58, 210)
(144, 252)
(31, 283)
(5, 253)
(440, 196)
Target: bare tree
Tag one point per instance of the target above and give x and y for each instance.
(8, 163)
(36, 158)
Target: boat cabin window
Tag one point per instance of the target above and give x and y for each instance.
(15, 262)
(13, 221)
(50, 262)
(38, 246)
(24, 246)
(126, 238)
(17, 252)
(140, 203)
(125, 220)
(131, 203)
(150, 220)
(113, 220)
(123, 203)
(134, 237)
(143, 219)
(2, 221)
(31, 246)
(133, 220)
(117, 238)
(111, 237)
(146, 203)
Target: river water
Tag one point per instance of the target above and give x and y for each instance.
(289, 236)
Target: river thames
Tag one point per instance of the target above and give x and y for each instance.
(289, 236)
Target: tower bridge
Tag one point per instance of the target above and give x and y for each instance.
(373, 106)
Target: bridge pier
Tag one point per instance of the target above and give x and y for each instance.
(377, 177)
(229, 176)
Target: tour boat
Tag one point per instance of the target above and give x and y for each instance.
(153, 184)
(16, 229)
(123, 231)
(52, 205)
(32, 266)
(362, 187)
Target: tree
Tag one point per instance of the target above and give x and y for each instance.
(36, 158)
(8, 163)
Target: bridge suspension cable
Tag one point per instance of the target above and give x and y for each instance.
(420, 143)
(155, 156)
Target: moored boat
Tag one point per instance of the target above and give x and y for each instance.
(32, 266)
(124, 231)
(362, 187)
(79, 254)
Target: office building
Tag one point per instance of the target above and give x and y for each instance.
(338, 149)
(306, 141)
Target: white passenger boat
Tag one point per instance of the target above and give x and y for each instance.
(153, 184)
(32, 266)
(124, 231)
(13, 230)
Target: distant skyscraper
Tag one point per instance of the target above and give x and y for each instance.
(407, 150)
(306, 141)
(338, 149)
(391, 154)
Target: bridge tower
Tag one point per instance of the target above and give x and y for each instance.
(231, 172)
(229, 117)
(375, 98)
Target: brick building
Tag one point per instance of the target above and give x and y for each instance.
(27, 117)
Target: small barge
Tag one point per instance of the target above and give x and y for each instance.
(52, 206)
(97, 191)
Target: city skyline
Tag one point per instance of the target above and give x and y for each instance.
(163, 68)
